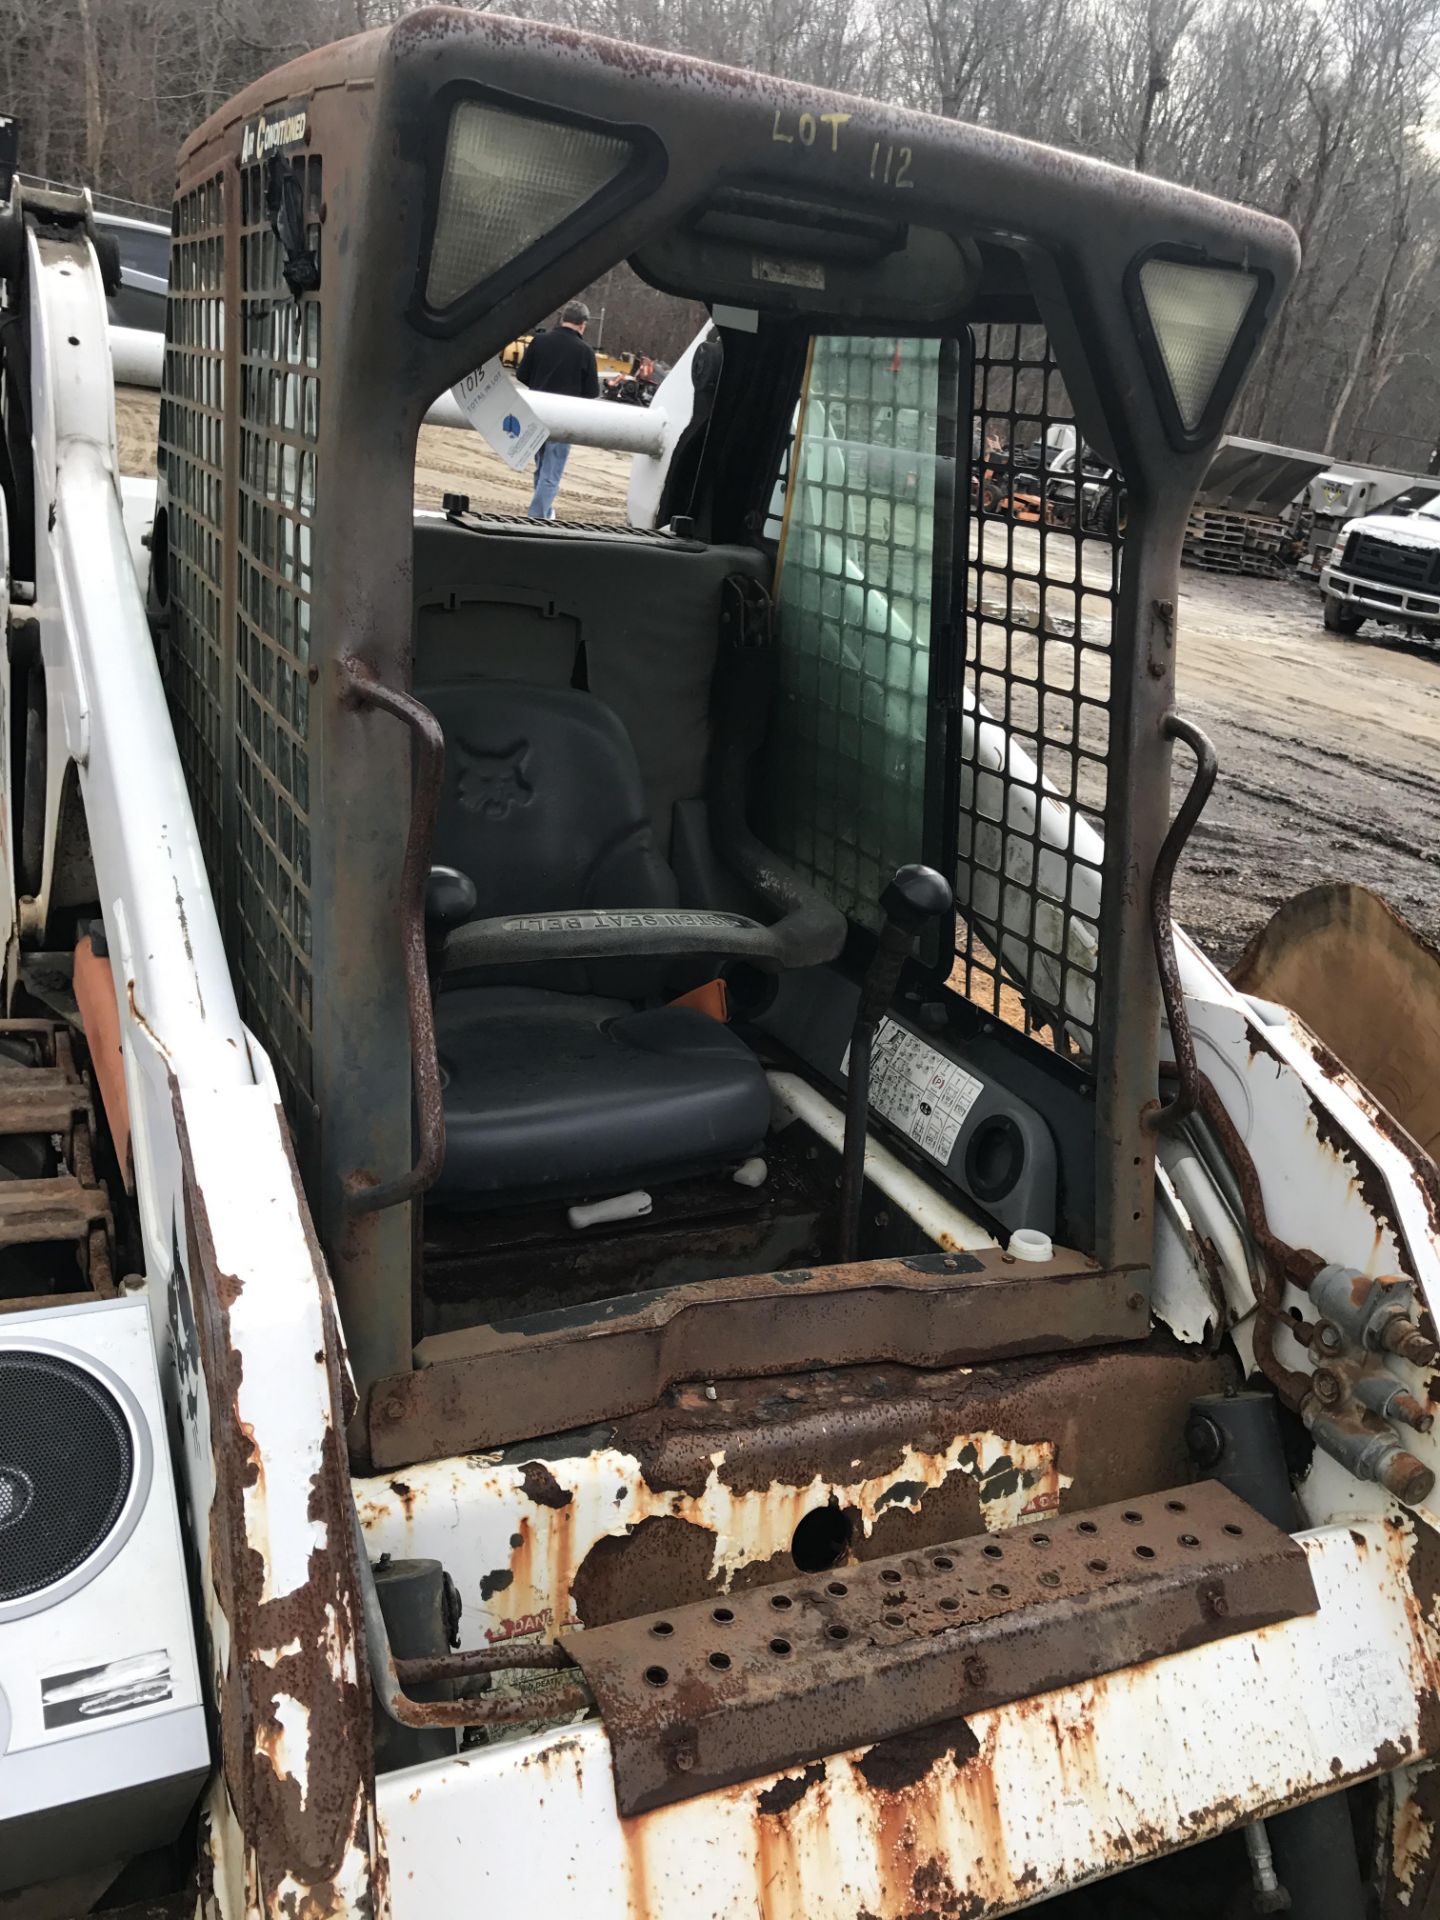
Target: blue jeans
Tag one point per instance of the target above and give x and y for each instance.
(549, 465)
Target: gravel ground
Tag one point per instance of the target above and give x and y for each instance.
(1329, 747)
(1329, 759)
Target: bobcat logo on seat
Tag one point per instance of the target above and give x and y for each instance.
(491, 784)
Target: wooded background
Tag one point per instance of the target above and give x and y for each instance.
(1316, 110)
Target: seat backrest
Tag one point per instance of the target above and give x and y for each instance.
(544, 807)
(634, 617)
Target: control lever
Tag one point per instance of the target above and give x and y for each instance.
(450, 900)
(915, 897)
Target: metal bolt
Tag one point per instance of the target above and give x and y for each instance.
(1135, 1302)
(1204, 1439)
(1328, 1337)
(682, 1754)
(1405, 1338)
(1327, 1386)
(1406, 1477)
(1407, 1408)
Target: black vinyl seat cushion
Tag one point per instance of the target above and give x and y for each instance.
(555, 1095)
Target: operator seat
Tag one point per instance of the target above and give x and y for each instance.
(558, 1079)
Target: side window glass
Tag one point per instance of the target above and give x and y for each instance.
(855, 518)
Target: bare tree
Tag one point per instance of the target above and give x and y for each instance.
(1310, 109)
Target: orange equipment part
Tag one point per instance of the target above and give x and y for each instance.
(94, 987)
(707, 999)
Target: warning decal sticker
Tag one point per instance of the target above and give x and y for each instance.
(919, 1089)
(120, 1687)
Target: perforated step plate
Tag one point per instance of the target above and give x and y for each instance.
(727, 1689)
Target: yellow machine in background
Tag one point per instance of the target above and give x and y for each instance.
(606, 362)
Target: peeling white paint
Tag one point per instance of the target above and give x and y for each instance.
(1062, 1788)
(340, 1655)
(276, 1323)
(272, 1656)
(755, 1526)
(1412, 1840)
(474, 1515)
(289, 1751)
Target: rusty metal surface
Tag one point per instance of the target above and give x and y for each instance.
(1021, 1802)
(423, 1670)
(275, 1652)
(44, 1093)
(703, 1696)
(1162, 928)
(491, 1709)
(490, 1385)
(1279, 1261)
(699, 1498)
(39, 1100)
(363, 689)
(56, 1209)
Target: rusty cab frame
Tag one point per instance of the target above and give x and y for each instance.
(309, 332)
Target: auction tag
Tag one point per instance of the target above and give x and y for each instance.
(919, 1089)
(498, 410)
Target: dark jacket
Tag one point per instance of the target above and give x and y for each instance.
(558, 361)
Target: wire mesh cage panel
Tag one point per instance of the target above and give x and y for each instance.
(239, 681)
(192, 425)
(279, 425)
(1043, 581)
(846, 756)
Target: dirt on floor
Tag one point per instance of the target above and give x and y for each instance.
(1329, 747)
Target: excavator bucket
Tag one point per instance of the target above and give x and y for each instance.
(1314, 955)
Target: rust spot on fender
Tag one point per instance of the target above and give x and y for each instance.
(542, 1487)
(792, 1789)
(895, 1764)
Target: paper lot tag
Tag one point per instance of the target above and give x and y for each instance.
(497, 408)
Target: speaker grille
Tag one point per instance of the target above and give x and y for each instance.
(67, 1457)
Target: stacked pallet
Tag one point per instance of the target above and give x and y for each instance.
(1222, 541)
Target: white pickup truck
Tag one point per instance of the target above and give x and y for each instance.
(1386, 566)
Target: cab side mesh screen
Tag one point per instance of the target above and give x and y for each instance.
(1043, 581)
(279, 415)
(192, 452)
(846, 753)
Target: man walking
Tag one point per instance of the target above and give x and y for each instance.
(558, 361)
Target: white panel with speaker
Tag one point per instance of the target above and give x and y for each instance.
(103, 1745)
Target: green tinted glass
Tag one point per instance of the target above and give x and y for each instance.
(845, 786)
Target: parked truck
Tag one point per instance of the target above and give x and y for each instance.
(1386, 566)
(641, 1276)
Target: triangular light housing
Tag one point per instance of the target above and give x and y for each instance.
(1196, 313)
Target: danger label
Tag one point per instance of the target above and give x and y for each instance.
(919, 1089)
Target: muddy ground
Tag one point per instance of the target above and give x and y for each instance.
(1329, 747)
(1329, 759)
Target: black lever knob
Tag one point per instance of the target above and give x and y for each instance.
(450, 899)
(915, 895)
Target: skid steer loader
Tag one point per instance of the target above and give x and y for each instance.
(639, 1275)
